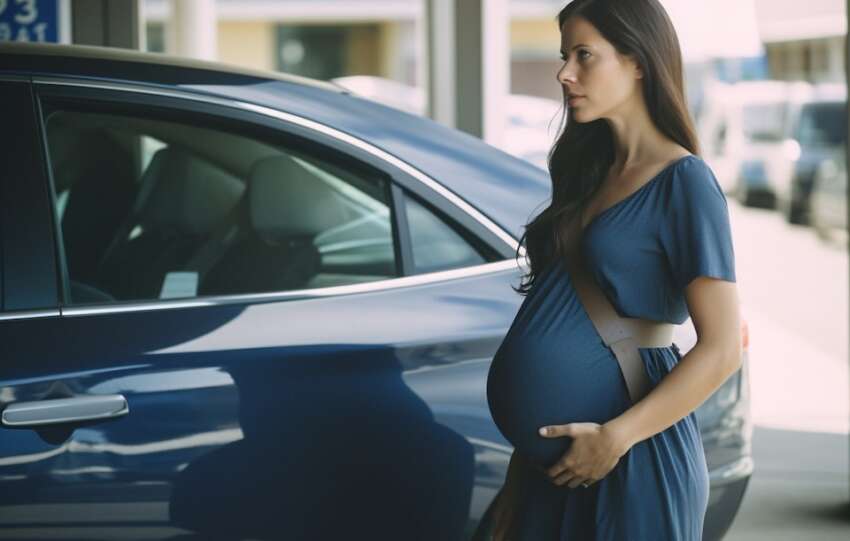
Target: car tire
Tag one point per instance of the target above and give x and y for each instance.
(743, 195)
(795, 213)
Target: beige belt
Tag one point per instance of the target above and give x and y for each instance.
(624, 335)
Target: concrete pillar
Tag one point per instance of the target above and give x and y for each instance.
(496, 63)
(109, 23)
(193, 29)
(420, 32)
(468, 65)
(795, 61)
(441, 38)
(835, 58)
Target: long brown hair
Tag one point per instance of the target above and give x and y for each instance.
(584, 152)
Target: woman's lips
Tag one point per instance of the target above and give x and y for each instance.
(574, 99)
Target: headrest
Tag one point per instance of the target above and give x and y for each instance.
(184, 194)
(287, 200)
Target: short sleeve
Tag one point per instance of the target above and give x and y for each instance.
(696, 235)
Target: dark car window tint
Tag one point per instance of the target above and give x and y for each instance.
(823, 124)
(152, 209)
(436, 245)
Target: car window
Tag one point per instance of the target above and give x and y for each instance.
(764, 121)
(823, 124)
(153, 209)
(436, 245)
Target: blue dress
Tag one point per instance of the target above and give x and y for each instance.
(552, 367)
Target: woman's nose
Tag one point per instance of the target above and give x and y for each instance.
(564, 75)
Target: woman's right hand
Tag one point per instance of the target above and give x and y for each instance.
(508, 500)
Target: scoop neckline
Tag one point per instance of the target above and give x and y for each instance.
(634, 193)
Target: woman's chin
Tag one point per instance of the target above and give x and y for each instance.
(580, 116)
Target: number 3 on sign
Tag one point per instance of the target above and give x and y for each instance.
(28, 12)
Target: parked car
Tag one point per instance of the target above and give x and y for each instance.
(244, 304)
(818, 132)
(531, 122)
(829, 199)
(718, 133)
(743, 130)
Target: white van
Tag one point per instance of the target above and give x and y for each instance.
(743, 127)
(818, 131)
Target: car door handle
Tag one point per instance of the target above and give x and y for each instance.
(65, 410)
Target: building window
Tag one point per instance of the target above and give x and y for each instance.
(328, 51)
(155, 37)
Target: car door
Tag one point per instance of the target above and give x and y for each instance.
(29, 293)
(237, 356)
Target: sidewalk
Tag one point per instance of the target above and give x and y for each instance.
(800, 489)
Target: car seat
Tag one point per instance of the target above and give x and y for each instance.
(99, 176)
(181, 202)
(287, 206)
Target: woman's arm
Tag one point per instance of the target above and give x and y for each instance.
(714, 308)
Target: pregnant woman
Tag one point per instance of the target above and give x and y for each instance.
(654, 234)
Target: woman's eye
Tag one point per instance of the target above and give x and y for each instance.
(563, 58)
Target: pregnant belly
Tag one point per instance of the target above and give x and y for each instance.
(552, 368)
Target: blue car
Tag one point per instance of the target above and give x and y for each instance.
(246, 305)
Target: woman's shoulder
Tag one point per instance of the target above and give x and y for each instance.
(693, 178)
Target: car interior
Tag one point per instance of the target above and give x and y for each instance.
(151, 209)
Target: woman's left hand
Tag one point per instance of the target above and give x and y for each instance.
(594, 452)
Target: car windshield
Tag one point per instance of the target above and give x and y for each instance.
(764, 121)
(823, 123)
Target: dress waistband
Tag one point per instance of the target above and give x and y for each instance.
(648, 333)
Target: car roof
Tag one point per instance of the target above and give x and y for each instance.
(45, 54)
(504, 188)
(829, 92)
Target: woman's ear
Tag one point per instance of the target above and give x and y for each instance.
(638, 69)
(630, 58)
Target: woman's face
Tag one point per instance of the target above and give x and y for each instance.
(595, 70)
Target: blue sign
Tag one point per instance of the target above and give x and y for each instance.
(29, 20)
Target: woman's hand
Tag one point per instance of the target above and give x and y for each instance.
(594, 452)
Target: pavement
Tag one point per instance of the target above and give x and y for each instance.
(794, 294)
(800, 490)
